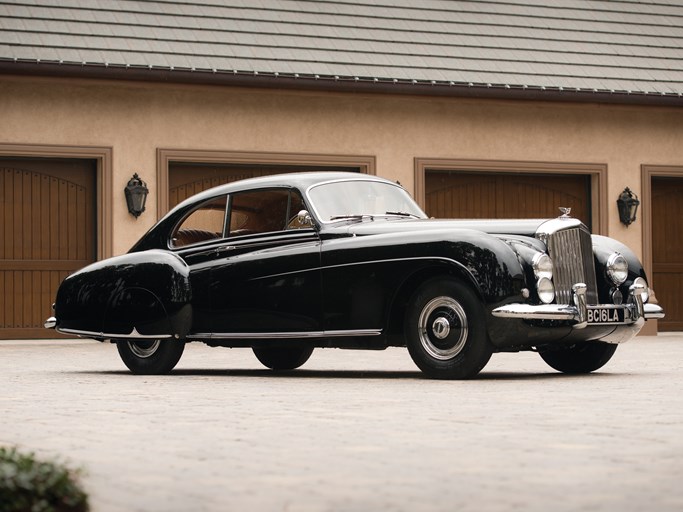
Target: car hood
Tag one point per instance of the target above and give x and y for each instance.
(516, 227)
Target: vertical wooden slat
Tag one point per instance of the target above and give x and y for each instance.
(4, 221)
(44, 217)
(17, 238)
(54, 219)
(35, 214)
(16, 307)
(25, 215)
(72, 223)
(63, 220)
(3, 294)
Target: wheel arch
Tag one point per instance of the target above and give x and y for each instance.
(400, 302)
(152, 298)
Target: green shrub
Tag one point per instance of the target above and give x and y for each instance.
(30, 485)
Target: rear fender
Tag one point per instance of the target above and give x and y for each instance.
(154, 300)
(145, 293)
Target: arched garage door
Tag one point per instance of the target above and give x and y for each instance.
(479, 195)
(47, 230)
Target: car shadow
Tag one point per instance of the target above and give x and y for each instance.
(351, 374)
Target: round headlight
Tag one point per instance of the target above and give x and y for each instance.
(646, 294)
(546, 290)
(543, 266)
(617, 268)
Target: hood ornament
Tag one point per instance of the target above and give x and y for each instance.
(565, 212)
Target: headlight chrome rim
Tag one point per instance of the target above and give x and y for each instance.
(617, 268)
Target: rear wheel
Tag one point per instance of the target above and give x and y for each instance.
(150, 357)
(583, 357)
(282, 358)
(445, 330)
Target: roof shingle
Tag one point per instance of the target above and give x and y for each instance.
(586, 45)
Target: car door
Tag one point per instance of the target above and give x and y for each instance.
(265, 279)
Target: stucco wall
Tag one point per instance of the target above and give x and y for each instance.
(136, 118)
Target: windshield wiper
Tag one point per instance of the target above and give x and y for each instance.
(403, 214)
(353, 217)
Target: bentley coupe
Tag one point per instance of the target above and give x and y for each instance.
(289, 263)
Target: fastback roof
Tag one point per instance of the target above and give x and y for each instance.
(629, 50)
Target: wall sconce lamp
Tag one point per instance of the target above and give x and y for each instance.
(136, 195)
(628, 206)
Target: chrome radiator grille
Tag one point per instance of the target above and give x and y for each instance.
(572, 253)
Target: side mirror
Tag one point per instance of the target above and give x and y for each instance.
(304, 219)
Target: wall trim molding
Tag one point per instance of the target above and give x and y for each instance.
(647, 172)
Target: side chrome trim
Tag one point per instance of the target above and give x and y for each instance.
(134, 334)
(286, 335)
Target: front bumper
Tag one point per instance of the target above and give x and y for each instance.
(582, 314)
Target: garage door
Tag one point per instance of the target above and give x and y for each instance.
(463, 195)
(667, 249)
(47, 223)
(186, 179)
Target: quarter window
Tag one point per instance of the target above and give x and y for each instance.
(204, 223)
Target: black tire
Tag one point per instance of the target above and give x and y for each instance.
(445, 330)
(282, 358)
(150, 357)
(584, 357)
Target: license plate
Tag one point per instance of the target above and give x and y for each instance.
(598, 315)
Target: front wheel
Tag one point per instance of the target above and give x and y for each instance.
(282, 358)
(446, 331)
(150, 357)
(583, 357)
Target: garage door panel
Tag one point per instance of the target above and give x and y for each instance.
(48, 217)
(460, 196)
(667, 249)
(487, 195)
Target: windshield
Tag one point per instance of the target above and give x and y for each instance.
(361, 198)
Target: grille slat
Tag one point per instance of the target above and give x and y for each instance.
(572, 253)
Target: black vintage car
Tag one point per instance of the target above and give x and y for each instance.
(288, 263)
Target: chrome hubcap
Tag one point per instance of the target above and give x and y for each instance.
(442, 328)
(143, 348)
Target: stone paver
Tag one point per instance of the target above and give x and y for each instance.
(352, 431)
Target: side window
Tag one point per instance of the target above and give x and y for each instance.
(263, 211)
(204, 223)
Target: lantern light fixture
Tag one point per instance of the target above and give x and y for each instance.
(136, 195)
(628, 206)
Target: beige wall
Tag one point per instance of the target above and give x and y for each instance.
(135, 119)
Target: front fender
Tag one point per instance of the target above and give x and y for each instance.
(603, 247)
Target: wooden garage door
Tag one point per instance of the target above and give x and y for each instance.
(667, 249)
(463, 195)
(186, 179)
(47, 223)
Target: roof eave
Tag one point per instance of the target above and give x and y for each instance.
(238, 78)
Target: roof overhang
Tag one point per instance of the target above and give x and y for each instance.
(255, 79)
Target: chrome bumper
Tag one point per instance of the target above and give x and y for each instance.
(583, 314)
(50, 323)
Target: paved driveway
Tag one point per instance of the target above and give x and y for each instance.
(352, 431)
